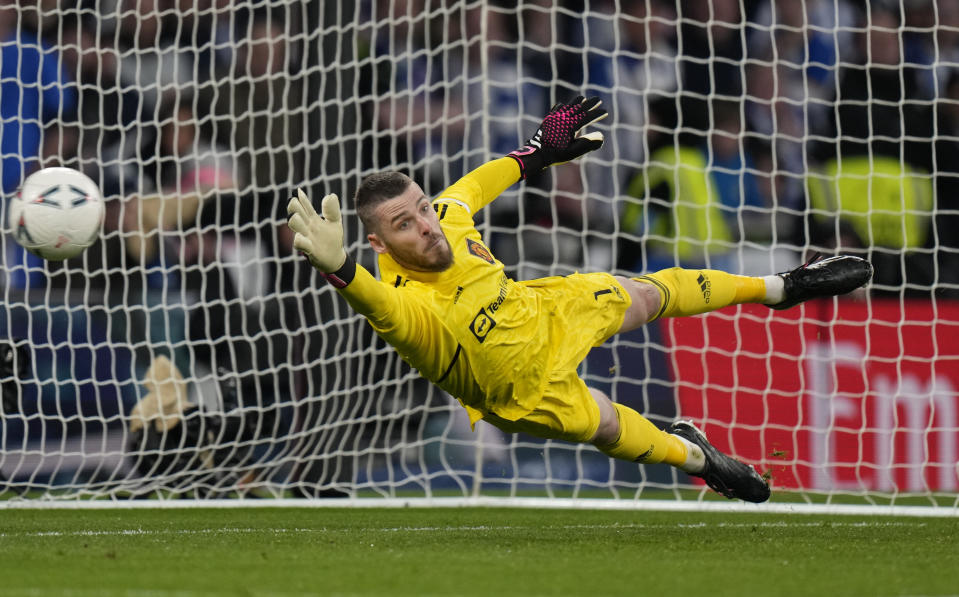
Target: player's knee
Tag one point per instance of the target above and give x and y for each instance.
(607, 431)
(646, 302)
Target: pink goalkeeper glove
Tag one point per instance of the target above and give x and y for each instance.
(557, 140)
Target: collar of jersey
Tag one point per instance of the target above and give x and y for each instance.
(389, 269)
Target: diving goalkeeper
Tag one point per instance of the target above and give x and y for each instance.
(509, 350)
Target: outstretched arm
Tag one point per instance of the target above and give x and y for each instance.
(319, 236)
(558, 139)
(403, 319)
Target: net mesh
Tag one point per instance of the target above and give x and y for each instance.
(192, 352)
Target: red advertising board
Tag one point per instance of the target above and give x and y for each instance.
(849, 395)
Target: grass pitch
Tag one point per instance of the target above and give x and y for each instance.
(471, 551)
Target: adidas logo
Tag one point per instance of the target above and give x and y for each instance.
(705, 285)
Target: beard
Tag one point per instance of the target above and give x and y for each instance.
(437, 258)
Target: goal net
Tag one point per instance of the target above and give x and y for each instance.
(192, 353)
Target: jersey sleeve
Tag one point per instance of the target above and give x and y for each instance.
(478, 188)
(405, 320)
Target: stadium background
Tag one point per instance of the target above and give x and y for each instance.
(743, 135)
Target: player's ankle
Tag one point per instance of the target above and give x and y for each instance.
(775, 290)
(695, 460)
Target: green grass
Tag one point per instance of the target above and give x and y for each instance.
(471, 551)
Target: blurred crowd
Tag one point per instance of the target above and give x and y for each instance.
(824, 124)
(739, 131)
(191, 117)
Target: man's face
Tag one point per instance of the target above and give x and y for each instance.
(408, 230)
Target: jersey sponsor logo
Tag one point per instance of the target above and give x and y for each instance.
(481, 325)
(501, 296)
(479, 250)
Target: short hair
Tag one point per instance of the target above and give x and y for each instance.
(375, 189)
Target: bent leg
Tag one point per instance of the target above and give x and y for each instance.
(625, 434)
(571, 411)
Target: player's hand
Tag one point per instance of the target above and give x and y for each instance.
(558, 139)
(319, 237)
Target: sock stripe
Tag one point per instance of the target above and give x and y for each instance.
(662, 288)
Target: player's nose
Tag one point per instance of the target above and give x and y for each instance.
(426, 228)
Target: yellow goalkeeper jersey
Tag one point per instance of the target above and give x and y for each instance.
(471, 330)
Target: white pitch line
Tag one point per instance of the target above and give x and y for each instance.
(104, 592)
(731, 507)
(449, 529)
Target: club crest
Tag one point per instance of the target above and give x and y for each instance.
(480, 250)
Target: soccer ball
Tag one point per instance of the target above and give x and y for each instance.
(56, 214)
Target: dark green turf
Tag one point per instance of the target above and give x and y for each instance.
(471, 551)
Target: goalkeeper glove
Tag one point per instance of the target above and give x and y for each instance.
(320, 237)
(557, 140)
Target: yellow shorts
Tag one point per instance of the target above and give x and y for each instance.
(567, 412)
(588, 309)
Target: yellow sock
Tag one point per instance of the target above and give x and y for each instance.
(641, 441)
(690, 292)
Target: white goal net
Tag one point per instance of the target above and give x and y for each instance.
(192, 353)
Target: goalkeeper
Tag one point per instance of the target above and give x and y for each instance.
(508, 350)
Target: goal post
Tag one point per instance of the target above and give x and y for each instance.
(192, 353)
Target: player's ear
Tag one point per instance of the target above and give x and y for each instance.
(376, 244)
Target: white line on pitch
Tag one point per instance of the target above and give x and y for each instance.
(446, 529)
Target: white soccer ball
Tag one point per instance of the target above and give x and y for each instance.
(56, 214)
